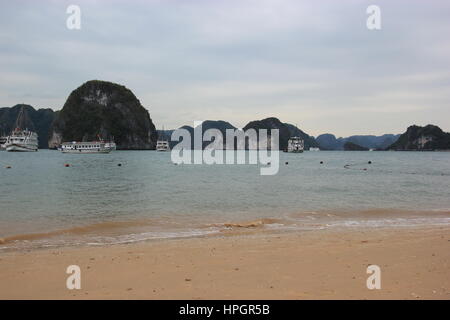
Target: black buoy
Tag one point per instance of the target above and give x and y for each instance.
(8, 167)
(119, 165)
(321, 162)
(67, 165)
(370, 162)
(287, 163)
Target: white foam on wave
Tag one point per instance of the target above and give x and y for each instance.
(105, 240)
(396, 222)
(305, 223)
(139, 237)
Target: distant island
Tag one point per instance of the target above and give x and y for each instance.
(425, 138)
(328, 141)
(350, 146)
(109, 110)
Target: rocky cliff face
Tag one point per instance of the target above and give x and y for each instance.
(107, 110)
(429, 137)
(39, 121)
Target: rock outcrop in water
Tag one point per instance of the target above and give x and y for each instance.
(220, 125)
(328, 141)
(419, 138)
(269, 124)
(104, 109)
(350, 146)
(286, 131)
(38, 121)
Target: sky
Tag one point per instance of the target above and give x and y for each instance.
(310, 63)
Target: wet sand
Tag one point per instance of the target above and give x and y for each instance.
(324, 264)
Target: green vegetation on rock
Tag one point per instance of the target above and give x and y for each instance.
(106, 110)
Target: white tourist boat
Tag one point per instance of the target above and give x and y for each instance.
(111, 145)
(88, 147)
(2, 143)
(295, 145)
(162, 144)
(22, 141)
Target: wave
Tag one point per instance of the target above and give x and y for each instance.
(248, 224)
(119, 232)
(78, 230)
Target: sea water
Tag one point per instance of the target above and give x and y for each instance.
(128, 196)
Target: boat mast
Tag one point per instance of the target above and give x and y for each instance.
(21, 120)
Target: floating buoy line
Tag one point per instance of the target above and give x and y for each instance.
(7, 166)
(350, 166)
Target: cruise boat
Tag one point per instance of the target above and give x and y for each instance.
(295, 145)
(22, 141)
(88, 147)
(111, 145)
(162, 144)
(2, 143)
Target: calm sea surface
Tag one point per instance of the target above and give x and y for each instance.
(95, 201)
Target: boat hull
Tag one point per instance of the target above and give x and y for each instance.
(20, 148)
(162, 145)
(91, 147)
(85, 151)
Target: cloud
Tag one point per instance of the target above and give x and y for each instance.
(311, 63)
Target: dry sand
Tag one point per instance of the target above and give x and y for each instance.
(415, 264)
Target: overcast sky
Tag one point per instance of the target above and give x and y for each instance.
(310, 63)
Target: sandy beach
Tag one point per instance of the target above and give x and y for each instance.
(328, 264)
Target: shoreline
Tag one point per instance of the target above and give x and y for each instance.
(323, 264)
(117, 232)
